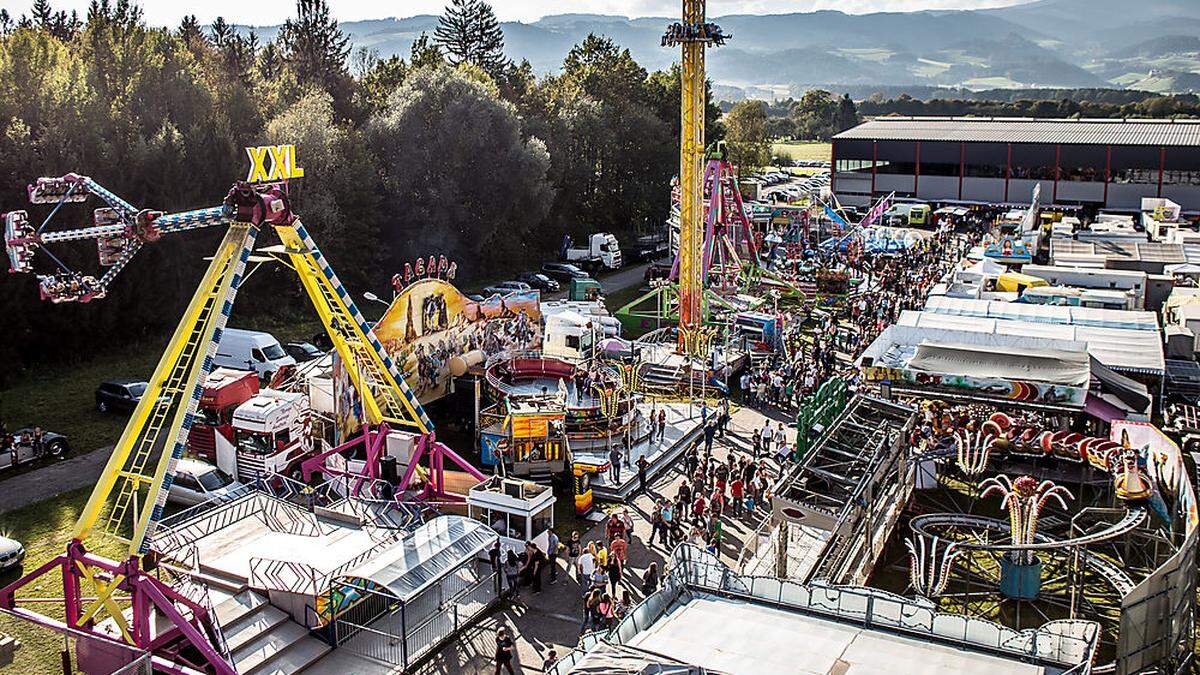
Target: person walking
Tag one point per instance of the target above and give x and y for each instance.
(504, 651)
(553, 545)
(587, 565)
(650, 579)
(662, 425)
(574, 550)
(512, 572)
(535, 563)
(642, 464)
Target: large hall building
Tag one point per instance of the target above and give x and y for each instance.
(1109, 164)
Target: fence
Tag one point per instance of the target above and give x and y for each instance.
(385, 629)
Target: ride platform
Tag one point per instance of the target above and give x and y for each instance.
(684, 429)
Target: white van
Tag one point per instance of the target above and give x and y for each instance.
(251, 350)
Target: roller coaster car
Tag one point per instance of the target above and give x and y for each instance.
(59, 189)
(18, 238)
(1067, 447)
(1102, 452)
(1130, 482)
(1028, 442)
(1004, 422)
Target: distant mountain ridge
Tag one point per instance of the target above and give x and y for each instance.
(1047, 43)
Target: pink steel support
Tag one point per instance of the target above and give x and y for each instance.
(145, 592)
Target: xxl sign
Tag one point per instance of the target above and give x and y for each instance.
(282, 165)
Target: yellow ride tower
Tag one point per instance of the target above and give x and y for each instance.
(693, 35)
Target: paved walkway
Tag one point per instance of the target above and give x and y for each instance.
(552, 618)
(52, 479)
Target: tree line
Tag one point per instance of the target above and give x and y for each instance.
(451, 150)
(1102, 106)
(817, 116)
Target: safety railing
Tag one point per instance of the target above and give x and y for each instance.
(285, 575)
(1069, 644)
(1063, 642)
(195, 523)
(381, 628)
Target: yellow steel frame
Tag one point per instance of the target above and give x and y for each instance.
(384, 399)
(691, 208)
(155, 435)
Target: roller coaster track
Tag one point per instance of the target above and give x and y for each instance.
(1109, 570)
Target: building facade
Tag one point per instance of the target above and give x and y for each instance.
(1108, 164)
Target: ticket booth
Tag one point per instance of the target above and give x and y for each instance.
(518, 510)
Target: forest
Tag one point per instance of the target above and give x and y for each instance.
(454, 150)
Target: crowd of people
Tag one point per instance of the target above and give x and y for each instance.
(825, 341)
(719, 490)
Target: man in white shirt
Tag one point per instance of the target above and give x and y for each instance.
(767, 435)
(587, 565)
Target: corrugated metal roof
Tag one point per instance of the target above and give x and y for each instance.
(1024, 130)
(1145, 251)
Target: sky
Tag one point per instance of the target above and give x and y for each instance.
(270, 12)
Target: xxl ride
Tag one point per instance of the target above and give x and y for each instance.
(129, 498)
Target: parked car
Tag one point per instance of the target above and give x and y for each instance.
(506, 287)
(539, 281)
(11, 553)
(23, 449)
(119, 395)
(303, 351)
(564, 271)
(198, 482)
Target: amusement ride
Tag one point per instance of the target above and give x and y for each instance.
(128, 501)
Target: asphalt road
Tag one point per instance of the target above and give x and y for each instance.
(630, 275)
(52, 479)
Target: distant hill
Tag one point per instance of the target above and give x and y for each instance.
(1160, 46)
(1047, 43)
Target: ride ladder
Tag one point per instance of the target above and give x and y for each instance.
(168, 405)
(386, 396)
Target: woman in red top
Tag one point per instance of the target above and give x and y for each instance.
(736, 492)
(698, 508)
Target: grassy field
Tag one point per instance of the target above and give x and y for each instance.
(45, 529)
(810, 150)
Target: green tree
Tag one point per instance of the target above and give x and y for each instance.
(338, 197)
(468, 32)
(815, 115)
(316, 49)
(847, 114)
(425, 53)
(746, 134)
(190, 33)
(665, 88)
(379, 81)
(455, 165)
(613, 153)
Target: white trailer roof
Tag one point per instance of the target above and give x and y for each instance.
(1117, 348)
(1017, 311)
